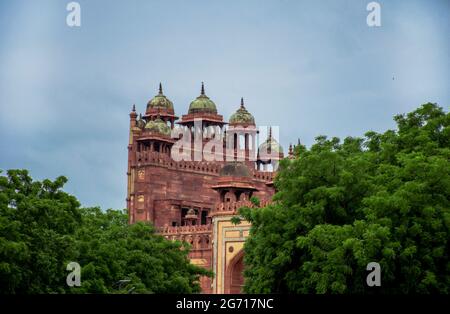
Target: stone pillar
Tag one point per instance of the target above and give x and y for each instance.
(247, 153)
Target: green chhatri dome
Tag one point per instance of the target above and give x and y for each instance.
(273, 144)
(270, 145)
(140, 123)
(158, 126)
(242, 116)
(202, 104)
(160, 101)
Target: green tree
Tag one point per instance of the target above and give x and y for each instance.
(43, 228)
(111, 250)
(341, 205)
(37, 225)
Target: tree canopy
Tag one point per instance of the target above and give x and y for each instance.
(340, 205)
(43, 228)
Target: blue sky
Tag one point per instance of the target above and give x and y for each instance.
(310, 67)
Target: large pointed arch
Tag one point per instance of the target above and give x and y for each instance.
(234, 277)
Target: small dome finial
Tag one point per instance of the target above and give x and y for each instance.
(242, 102)
(160, 88)
(270, 132)
(290, 149)
(203, 89)
(133, 113)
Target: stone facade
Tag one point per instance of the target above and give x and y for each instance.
(193, 201)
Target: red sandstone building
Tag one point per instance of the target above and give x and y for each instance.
(193, 201)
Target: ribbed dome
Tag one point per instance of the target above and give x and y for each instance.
(160, 101)
(158, 126)
(235, 169)
(270, 145)
(273, 144)
(140, 123)
(202, 104)
(242, 116)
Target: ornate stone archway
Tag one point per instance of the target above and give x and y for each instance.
(228, 252)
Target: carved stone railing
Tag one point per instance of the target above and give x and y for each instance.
(199, 237)
(233, 207)
(164, 160)
(185, 229)
(264, 175)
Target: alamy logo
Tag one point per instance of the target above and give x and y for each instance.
(74, 277)
(212, 144)
(74, 16)
(374, 17)
(374, 277)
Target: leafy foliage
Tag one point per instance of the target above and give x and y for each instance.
(341, 205)
(42, 229)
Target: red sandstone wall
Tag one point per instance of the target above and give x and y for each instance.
(166, 190)
(167, 186)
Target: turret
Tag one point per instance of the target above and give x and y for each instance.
(270, 153)
(161, 106)
(202, 122)
(242, 132)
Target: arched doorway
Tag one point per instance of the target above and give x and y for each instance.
(234, 278)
